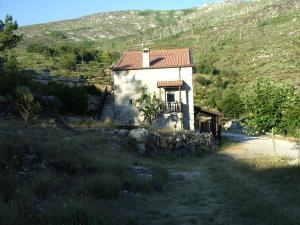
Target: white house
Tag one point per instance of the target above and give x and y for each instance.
(168, 73)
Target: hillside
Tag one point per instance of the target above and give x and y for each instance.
(240, 41)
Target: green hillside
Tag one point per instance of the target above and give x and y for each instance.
(233, 43)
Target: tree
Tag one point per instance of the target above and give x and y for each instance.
(264, 105)
(25, 104)
(148, 105)
(8, 38)
(291, 116)
(231, 103)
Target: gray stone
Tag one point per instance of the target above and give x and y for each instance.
(233, 126)
(123, 133)
(142, 172)
(140, 135)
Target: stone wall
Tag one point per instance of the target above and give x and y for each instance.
(180, 143)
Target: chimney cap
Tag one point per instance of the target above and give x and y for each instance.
(146, 50)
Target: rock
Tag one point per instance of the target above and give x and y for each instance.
(142, 172)
(122, 133)
(141, 148)
(140, 135)
(233, 126)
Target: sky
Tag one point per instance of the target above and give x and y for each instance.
(28, 12)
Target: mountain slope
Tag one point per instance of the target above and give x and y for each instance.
(250, 39)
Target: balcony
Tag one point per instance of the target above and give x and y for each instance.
(171, 107)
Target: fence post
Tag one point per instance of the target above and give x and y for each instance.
(273, 142)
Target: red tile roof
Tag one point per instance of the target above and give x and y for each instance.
(158, 59)
(170, 83)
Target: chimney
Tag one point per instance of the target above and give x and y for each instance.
(146, 57)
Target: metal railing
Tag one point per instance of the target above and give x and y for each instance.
(169, 107)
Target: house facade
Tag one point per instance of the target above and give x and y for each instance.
(168, 74)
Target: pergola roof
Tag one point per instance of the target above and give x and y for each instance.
(170, 83)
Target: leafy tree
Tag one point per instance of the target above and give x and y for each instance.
(264, 105)
(8, 38)
(25, 104)
(291, 116)
(104, 57)
(231, 103)
(148, 105)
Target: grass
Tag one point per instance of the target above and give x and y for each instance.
(54, 176)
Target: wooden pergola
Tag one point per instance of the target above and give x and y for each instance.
(208, 120)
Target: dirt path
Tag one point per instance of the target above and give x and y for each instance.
(219, 189)
(190, 199)
(252, 147)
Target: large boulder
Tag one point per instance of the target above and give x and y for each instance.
(233, 126)
(139, 135)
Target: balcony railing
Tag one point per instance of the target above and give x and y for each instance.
(169, 107)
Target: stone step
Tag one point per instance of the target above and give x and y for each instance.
(109, 108)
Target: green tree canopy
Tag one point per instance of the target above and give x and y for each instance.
(265, 103)
(231, 103)
(8, 38)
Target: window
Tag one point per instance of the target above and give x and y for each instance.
(170, 97)
(130, 102)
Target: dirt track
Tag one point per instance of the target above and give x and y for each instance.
(252, 147)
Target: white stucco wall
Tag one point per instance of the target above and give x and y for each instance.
(127, 84)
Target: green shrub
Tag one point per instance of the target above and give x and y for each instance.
(9, 83)
(265, 103)
(291, 117)
(73, 99)
(68, 61)
(26, 104)
(231, 103)
(203, 81)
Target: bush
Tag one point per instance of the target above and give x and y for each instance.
(68, 61)
(265, 106)
(291, 117)
(231, 103)
(203, 81)
(25, 104)
(9, 83)
(74, 99)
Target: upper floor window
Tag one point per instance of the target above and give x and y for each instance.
(170, 97)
